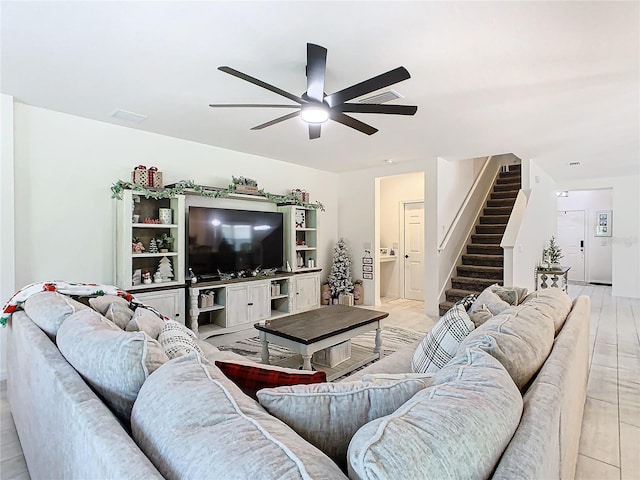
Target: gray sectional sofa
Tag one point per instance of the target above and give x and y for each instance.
(507, 406)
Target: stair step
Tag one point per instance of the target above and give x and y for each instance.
(444, 307)
(497, 211)
(513, 170)
(491, 239)
(486, 260)
(476, 271)
(491, 229)
(475, 285)
(507, 187)
(452, 295)
(512, 194)
(494, 220)
(478, 249)
(509, 179)
(501, 202)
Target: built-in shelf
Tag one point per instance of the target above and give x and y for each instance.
(154, 225)
(304, 247)
(388, 258)
(151, 285)
(284, 295)
(150, 255)
(211, 309)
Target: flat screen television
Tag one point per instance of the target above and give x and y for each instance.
(233, 240)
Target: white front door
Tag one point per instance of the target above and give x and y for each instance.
(571, 236)
(414, 251)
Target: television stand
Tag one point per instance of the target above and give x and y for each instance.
(223, 307)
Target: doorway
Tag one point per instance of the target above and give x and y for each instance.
(571, 238)
(413, 250)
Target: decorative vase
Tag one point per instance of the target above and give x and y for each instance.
(358, 294)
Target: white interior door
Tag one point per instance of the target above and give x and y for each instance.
(414, 251)
(570, 238)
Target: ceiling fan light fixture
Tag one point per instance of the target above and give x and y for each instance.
(314, 113)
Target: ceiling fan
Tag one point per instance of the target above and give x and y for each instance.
(316, 107)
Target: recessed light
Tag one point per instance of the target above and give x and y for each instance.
(389, 160)
(128, 116)
(574, 164)
(562, 194)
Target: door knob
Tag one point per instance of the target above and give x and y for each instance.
(406, 256)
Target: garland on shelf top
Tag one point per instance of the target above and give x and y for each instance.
(180, 187)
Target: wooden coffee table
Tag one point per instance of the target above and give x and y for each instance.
(324, 327)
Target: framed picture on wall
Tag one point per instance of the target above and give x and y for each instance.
(367, 276)
(367, 268)
(603, 223)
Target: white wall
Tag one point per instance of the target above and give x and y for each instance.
(455, 179)
(7, 245)
(626, 229)
(538, 223)
(64, 227)
(394, 190)
(599, 250)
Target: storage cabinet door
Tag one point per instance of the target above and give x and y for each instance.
(168, 302)
(307, 292)
(259, 302)
(237, 305)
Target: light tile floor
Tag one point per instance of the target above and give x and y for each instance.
(610, 442)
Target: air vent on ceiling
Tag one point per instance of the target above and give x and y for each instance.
(128, 116)
(574, 164)
(381, 97)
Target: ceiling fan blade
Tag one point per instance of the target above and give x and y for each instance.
(376, 83)
(253, 105)
(352, 122)
(314, 130)
(376, 108)
(316, 69)
(277, 120)
(260, 83)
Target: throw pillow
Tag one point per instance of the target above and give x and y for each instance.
(113, 362)
(385, 377)
(480, 316)
(113, 307)
(177, 340)
(441, 343)
(467, 301)
(493, 302)
(49, 309)
(251, 377)
(511, 295)
(457, 427)
(327, 415)
(146, 321)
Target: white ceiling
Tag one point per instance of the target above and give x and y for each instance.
(558, 82)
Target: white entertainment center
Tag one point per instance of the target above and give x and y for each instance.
(220, 307)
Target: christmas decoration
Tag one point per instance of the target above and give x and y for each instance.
(153, 247)
(553, 253)
(165, 269)
(210, 192)
(340, 276)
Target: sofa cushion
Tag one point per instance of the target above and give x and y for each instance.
(520, 339)
(491, 300)
(146, 321)
(113, 307)
(551, 303)
(511, 295)
(456, 428)
(49, 309)
(114, 362)
(441, 343)
(177, 340)
(467, 301)
(251, 377)
(329, 414)
(211, 430)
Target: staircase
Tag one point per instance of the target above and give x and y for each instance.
(482, 265)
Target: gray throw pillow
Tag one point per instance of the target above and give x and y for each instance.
(49, 309)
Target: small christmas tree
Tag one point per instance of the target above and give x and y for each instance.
(340, 276)
(165, 269)
(553, 253)
(153, 247)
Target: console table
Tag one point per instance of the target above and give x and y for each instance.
(552, 277)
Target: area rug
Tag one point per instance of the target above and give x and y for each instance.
(393, 338)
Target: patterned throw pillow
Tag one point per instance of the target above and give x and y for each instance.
(177, 340)
(441, 343)
(146, 321)
(467, 301)
(252, 377)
